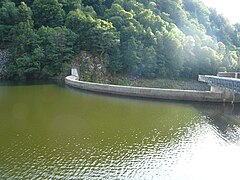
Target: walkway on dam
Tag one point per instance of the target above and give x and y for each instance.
(229, 83)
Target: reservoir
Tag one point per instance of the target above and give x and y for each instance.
(49, 131)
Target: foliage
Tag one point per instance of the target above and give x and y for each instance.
(48, 13)
(8, 18)
(56, 48)
(147, 38)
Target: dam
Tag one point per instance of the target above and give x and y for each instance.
(227, 83)
(217, 94)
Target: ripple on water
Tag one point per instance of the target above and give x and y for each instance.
(143, 160)
(149, 157)
(175, 143)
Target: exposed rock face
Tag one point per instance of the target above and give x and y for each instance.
(3, 60)
(90, 67)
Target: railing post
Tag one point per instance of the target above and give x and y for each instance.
(74, 72)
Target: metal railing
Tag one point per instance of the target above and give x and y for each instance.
(225, 83)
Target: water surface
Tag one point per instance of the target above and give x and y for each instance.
(52, 132)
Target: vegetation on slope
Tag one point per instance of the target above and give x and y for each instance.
(141, 38)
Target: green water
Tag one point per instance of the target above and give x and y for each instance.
(54, 132)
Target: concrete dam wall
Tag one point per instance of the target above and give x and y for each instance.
(156, 93)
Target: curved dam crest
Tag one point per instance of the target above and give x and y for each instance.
(155, 93)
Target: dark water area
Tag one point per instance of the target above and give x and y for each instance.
(49, 131)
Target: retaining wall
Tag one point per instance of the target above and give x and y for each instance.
(168, 94)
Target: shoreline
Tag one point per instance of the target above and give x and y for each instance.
(144, 92)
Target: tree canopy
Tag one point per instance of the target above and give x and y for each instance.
(143, 38)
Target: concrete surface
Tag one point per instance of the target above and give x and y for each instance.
(156, 93)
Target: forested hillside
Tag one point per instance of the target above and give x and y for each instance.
(140, 38)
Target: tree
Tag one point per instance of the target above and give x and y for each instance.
(80, 23)
(222, 28)
(208, 59)
(103, 37)
(8, 18)
(173, 52)
(132, 56)
(190, 69)
(114, 64)
(108, 3)
(23, 36)
(24, 42)
(48, 13)
(98, 5)
(160, 38)
(149, 19)
(27, 2)
(175, 10)
(149, 62)
(57, 49)
(69, 5)
(118, 16)
(198, 10)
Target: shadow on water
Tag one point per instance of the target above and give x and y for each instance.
(224, 117)
(30, 82)
(123, 97)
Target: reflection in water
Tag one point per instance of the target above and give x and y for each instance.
(49, 132)
(225, 117)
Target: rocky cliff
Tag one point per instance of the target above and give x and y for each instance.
(3, 60)
(90, 67)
